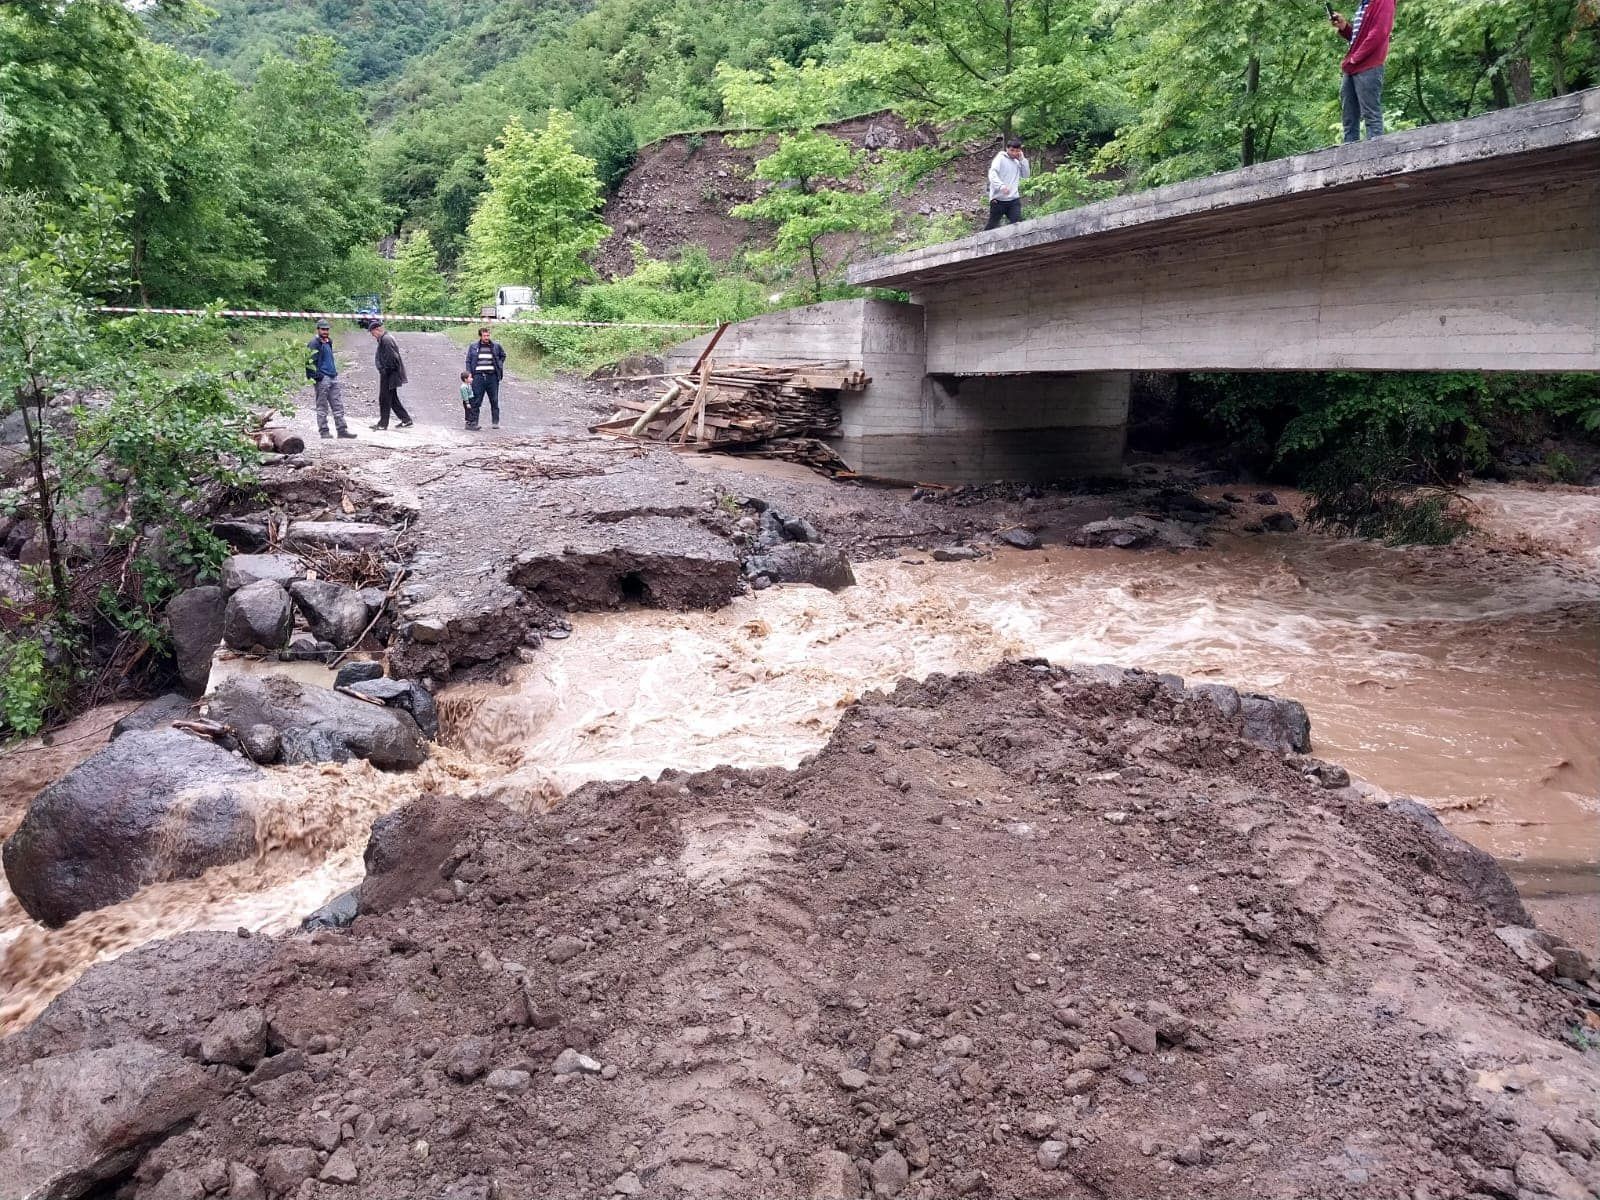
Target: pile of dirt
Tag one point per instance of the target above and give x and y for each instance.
(1025, 933)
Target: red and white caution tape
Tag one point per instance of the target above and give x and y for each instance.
(387, 318)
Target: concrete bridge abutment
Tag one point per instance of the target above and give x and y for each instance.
(1030, 427)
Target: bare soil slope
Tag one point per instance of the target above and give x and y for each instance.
(681, 189)
(1023, 934)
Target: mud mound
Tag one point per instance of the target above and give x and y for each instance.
(1018, 934)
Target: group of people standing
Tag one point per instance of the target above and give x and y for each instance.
(1360, 102)
(485, 368)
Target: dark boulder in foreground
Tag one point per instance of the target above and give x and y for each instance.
(148, 808)
(318, 725)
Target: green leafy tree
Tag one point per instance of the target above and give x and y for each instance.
(131, 430)
(810, 203)
(1216, 86)
(988, 66)
(311, 195)
(416, 284)
(538, 221)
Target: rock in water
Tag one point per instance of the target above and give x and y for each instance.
(319, 725)
(149, 807)
(803, 562)
(358, 672)
(336, 913)
(194, 619)
(1281, 725)
(408, 697)
(258, 617)
(335, 613)
(1474, 869)
(74, 1121)
(241, 570)
(1021, 539)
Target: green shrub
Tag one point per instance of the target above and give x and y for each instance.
(685, 292)
(28, 688)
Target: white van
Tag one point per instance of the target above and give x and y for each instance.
(509, 301)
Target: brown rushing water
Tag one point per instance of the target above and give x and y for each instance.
(1467, 679)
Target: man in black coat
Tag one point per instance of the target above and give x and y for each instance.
(486, 363)
(391, 377)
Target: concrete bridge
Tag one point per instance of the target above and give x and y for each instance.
(1472, 245)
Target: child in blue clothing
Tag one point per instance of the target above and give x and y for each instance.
(466, 396)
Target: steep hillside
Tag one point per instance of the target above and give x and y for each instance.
(681, 189)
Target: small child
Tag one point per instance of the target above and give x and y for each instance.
(466, 397)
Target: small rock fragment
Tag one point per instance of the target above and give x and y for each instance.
(1135, 1034)
(504, 1080)
(340, 1168)
(570, 1062)
(1051, 1154)
(890, 1173)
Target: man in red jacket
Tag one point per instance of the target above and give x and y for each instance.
(1361, 96)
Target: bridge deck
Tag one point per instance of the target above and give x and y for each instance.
(1525, 149)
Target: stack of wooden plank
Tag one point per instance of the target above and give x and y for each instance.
(740, 405)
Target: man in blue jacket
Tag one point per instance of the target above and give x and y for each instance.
(323, 370)
(486, 363)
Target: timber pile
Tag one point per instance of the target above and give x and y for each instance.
(780, 408)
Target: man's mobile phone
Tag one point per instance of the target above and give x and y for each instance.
(1329, 7)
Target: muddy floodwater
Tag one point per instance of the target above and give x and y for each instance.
(1467, 679)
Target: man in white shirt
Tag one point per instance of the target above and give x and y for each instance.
(1006, 173)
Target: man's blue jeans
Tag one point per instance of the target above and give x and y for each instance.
(1361, 97)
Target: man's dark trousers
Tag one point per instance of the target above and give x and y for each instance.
(485, 383)
(1009, 211)
(389, 401)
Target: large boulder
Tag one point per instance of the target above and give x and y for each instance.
(258, 618)
(405, 695)
(1475, 870)
(241, 570)
(153, 714)
(70, 1123)
(802, 562)
(194, 618)
(318, 725)
(336, 613)
(1281, 725)
(149, 807)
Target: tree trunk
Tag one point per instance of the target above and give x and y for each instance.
(33, 405)
(1519, 73)
(1252, 89)
(816, 270)
(1497, 77)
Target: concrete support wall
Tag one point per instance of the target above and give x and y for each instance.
(907, 425)
(1497, 281)
(1028, 428)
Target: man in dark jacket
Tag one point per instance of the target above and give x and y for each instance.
(1361, 92)
(486, 363)
(323, 371)
(391, 377)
